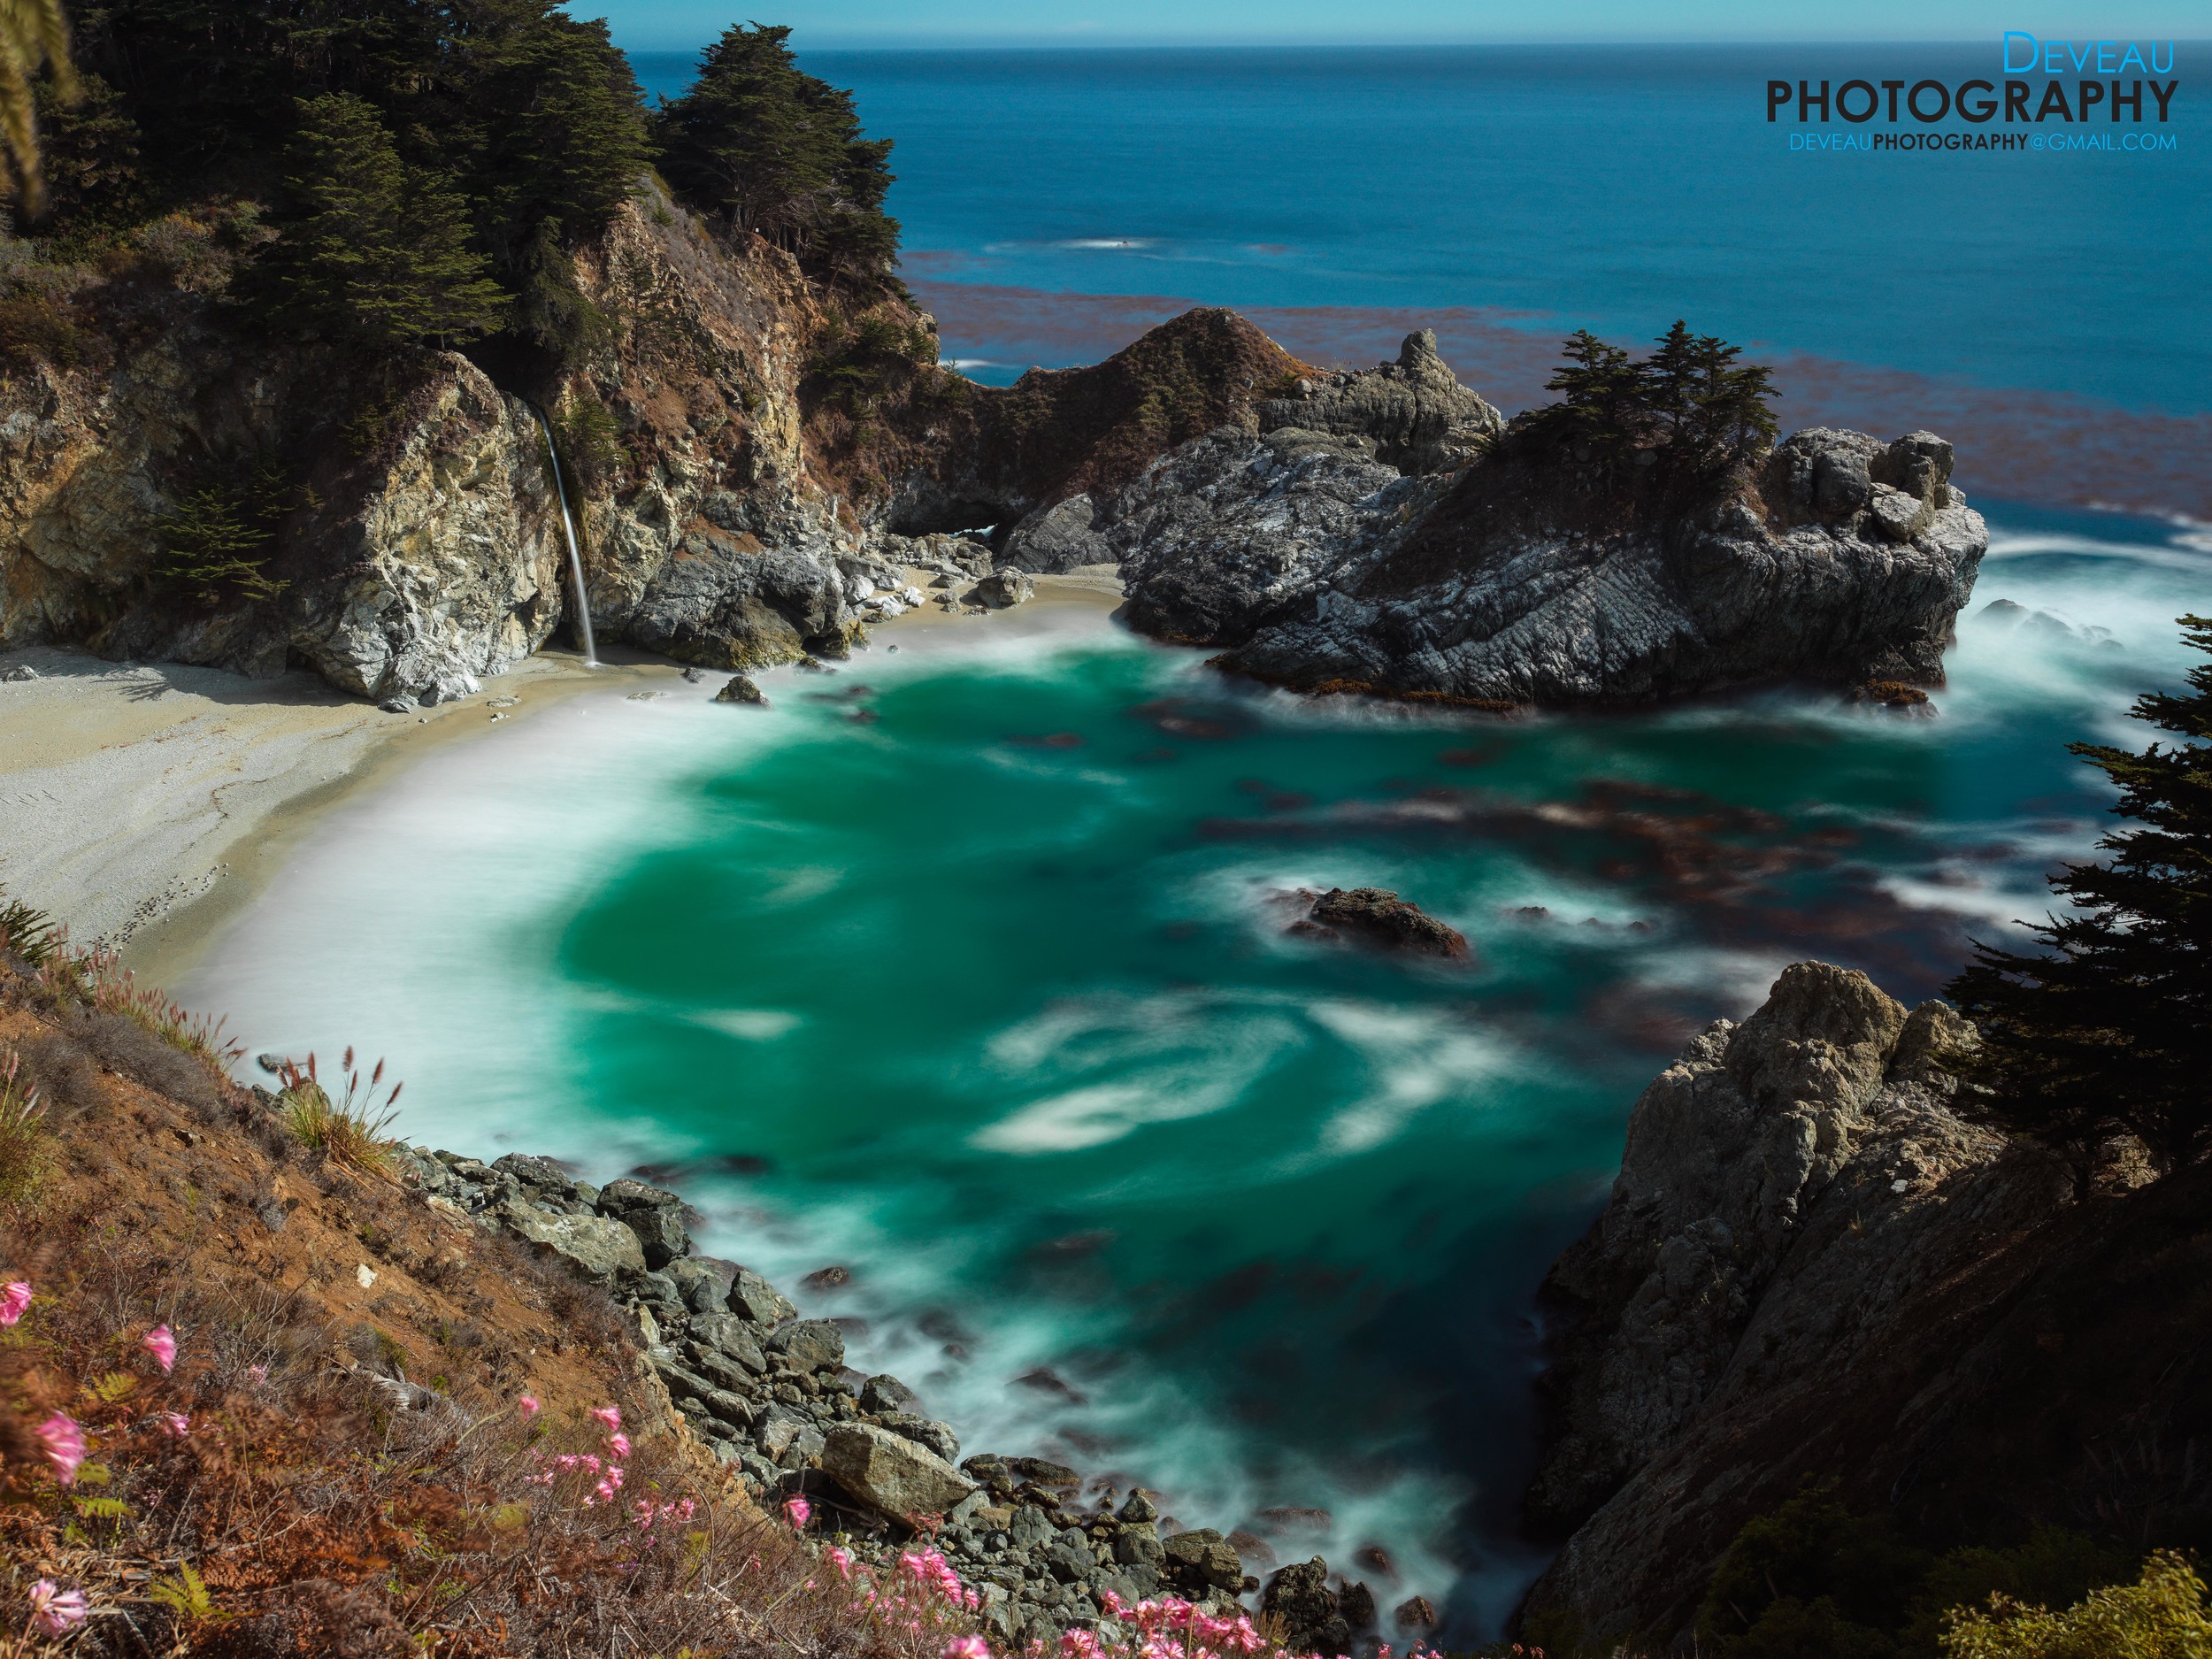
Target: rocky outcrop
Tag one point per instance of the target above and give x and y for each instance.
(1412, 414)
(1811, 1266)
(1319, 567)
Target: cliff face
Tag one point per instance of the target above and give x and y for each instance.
(418, 539)
(1811, 1267)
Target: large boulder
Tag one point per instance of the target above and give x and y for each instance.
(752, 1297)
(1202, 1559)
(1300, 1597)
(809, 1345)
(890, 1473)
(654, 1213)
(606, 1252)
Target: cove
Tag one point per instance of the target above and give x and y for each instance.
(965, 970)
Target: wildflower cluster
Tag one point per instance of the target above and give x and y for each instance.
(607, 1472)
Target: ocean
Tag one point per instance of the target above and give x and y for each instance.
(989, 999)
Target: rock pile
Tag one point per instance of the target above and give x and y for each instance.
(769, 1392)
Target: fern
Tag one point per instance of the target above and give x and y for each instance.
(187, 1594)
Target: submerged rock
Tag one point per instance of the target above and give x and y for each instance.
(1378, 917)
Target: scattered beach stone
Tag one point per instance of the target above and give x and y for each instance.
(20, 672)
(890, 1473)
(694, 675)
(741, 689)
(396, 705)
(1377, 916)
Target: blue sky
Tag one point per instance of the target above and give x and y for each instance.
(649, 25)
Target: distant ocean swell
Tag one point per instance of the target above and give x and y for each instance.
(2045, 449)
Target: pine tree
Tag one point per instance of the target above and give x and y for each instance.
(778, 152)
(2108, 1032)
(373, 249)
(34, 35)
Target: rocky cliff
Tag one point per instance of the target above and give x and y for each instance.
(1321, 566)
(1812, 1268)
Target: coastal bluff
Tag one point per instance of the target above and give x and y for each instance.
(1812, 1269)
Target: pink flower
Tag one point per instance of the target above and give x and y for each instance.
(967, 1648)
(173, 1423)
(56, 1611)
(256, 1375)
(618, 1443)
(842, 1560)
(14, 1298)
(529, 1405)
(611, 1416)
(795, 1511)
(65, 1446)
(161, 1345)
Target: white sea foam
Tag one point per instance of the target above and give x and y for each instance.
(753, 1024)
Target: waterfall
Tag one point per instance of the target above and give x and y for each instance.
(568, 529)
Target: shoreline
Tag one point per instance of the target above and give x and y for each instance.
(147, 805)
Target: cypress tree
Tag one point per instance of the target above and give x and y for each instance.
(373, 249)
(2107, 1031)
(778, 152)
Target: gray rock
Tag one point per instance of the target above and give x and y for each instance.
(20, 673)
(1380, 918)
(1203, 1556)
(1138, 1545)
(809, 1345)
(1412, 414)
(1300, 1597)
(541, 1174)
(1068, 1558)
(1004, 588)
(741, 689)
(1139, 1506)
(890, 1473)
(654, 1213)
(1030, 1527)
(923, 1430)
(604, 1252)
(702, 1281)
(733, 1337)
(720, 1368)
(886, 1393)
(753, 1298)
(1060, 537)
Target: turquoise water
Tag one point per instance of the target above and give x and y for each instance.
(989, 997)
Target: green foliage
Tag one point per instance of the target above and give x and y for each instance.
(1812, 1580)
(184, 1593)
(2107, 1034)
(776, 152)
(1671, 424)
(371, 247)
(856, 362)
(34, 35)
(462, 131)
(590, 439)
(213, 547)
(2161, 1615)
(94, 182)
(27, 932)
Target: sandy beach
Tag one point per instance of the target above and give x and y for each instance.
(142, 804)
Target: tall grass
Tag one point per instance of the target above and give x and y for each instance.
(27, 1139)
(351, 1130)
